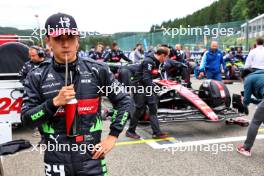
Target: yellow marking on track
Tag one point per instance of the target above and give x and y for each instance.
(142, 141)
(261, 130)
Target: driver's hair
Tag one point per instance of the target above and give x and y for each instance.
(259, 41)
(99, 45)
(162, 50)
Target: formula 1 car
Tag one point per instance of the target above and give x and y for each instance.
(211, 103)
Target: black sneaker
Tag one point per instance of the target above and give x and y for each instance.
(132, 135)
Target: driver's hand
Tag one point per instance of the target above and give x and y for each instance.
(65, 95)
(101, 149)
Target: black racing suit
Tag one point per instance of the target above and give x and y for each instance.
(130, 74)
(115, 56)
(174, 68)
(143, 76)
(96, 56)
(43, 84)
(29, 65)
(177, 55)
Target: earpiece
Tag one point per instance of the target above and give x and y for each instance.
(40, 51)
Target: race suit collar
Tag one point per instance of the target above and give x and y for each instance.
(61, 67)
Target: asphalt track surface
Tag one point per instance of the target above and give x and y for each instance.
(194, 148)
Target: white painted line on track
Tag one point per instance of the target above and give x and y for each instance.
(156, 145)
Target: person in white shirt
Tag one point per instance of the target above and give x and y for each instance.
(139, 53)
(131, 55)
(255, 59)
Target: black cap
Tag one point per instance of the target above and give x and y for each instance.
(59, 24)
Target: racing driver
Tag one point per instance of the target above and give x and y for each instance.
(45, 96)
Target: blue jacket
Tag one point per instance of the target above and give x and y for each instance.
(254, 85)
(212, 61)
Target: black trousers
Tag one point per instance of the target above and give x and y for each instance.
(141, 103)
(66, 157)
(257, 120)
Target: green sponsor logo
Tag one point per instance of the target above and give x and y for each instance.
(37, 115)
(124, 118)
(97, 126)
(47, 128)
(114, 116)
(104, 168)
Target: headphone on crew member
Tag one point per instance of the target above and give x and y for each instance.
(39, 50)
